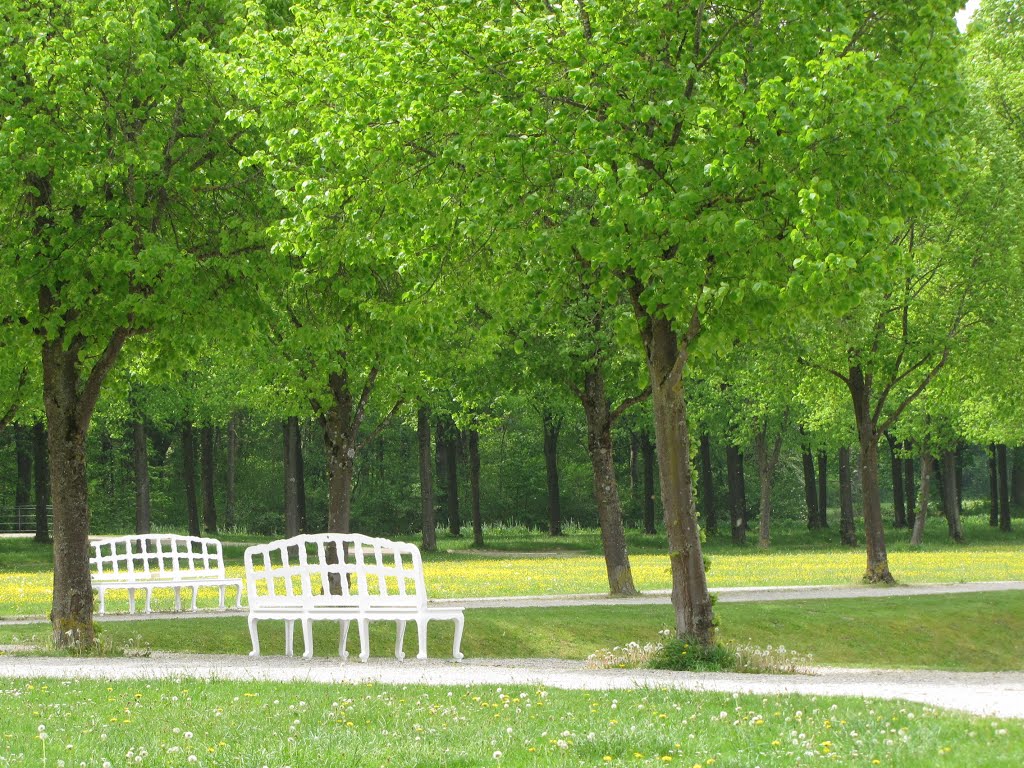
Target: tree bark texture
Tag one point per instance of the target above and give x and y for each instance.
(666, 362)
(706, 480)
(952, 505)
(188, 459)
(140, 460)
(868, 437)
(552, 428)
(207, 478)
(474, 487)
(847, 525)
(41, 479)
(822, 489)
(993, 485)
(429, 541)
(340, 423)
(767, 461)
(1004, 490)
(899, 499)
(231, 470)
(647, 449)
(922, 511)
(289, 427)
(606, 489)
(734, 470)
(810, 490)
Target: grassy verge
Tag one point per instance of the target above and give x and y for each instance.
(189, 722)
(980, 632)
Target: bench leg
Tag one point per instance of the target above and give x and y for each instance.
(307, 638)
(195, 594)
(177, 598)
(222, 589)
(421, 631)
(343, 639)
(238, 597)
(149, 599)
(131, 601)
(364, 639)
(254, 636)
(399, 638)
(460, 622)
(289, 637)
(103, 600)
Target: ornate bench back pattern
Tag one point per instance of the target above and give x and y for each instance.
(157, 557)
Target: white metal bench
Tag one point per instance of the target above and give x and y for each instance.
(341, 577)
(158, 561)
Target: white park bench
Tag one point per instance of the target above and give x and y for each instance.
(159, 561)
(344, 578)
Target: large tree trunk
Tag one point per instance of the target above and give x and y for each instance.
(552, 428)
(736, 494)
(606, 489)
(767, 460)
(647, 449)
(231, 470)
(847, 526)
(922, 512)
(993, 485)
(867, 436)
(666, 362)
(206, 477)
(952, 505)
(188, 459)
(474, 487)
(289, 430)
(810, 489)
(341, 427)
(822, 489)
(706, 481)
(23, 463)
(1017, 478)
(908, 484)
(1004, 490)
(899, 500)
(140, 459)
(426, 480)
(41, 477)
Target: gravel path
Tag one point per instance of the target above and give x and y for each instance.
(987, 694)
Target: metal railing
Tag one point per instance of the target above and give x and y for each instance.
(22, 519)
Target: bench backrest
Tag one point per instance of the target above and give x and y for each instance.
(335, 570)
(156, 556)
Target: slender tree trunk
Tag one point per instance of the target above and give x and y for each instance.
(847, 526)
(810, 490)
(959, 474)
(922, 512)
(232, 470)
(41, 476)
(188, 457)
(666, 362)
(1004, 490)
(822, 489)
(140, 459)
(206, 477)
(908, 483)
(767, 460)
(634, 462)
(736, 494)
(867, 435)
(291, 481)
(993, 484)
(744, 507)
(426, 480)
(647, 448)
(440, 468)
(552, 428)
(23, 462)
(952, 504)
(899, 501)
(606, 489)
(474, 487)
(300, 480)
(1017, 478)
(451, 447)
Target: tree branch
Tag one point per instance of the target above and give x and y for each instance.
(628, 403)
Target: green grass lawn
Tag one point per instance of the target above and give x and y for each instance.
(221, 723)
(975, 632)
